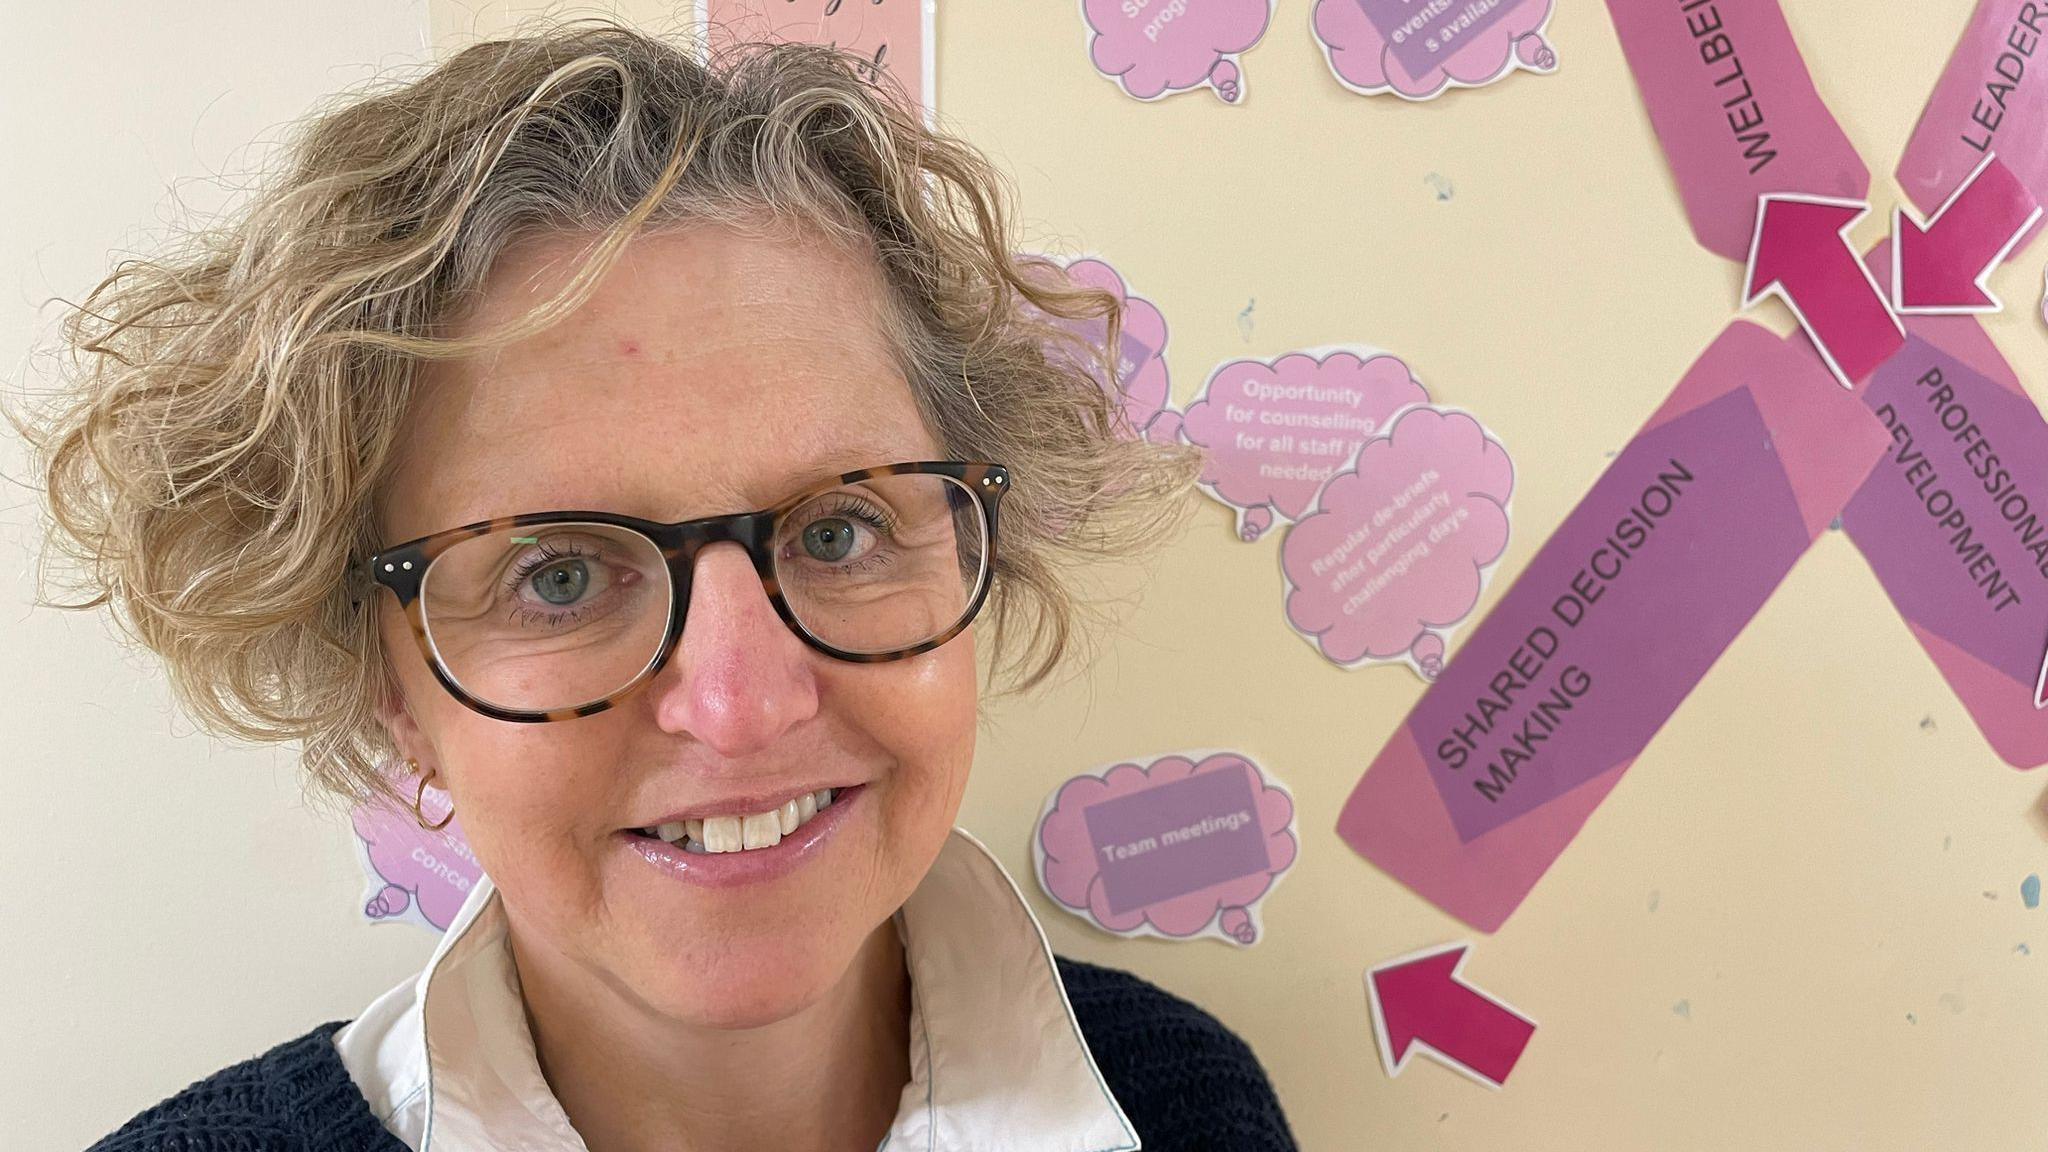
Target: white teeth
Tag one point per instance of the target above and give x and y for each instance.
(760, 830)
(743, 833)
(721, 833)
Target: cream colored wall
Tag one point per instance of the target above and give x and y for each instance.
(167, 905)
(1818, 856)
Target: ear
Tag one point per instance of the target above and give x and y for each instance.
(396, 717)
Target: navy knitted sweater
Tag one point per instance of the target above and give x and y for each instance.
(1186, 1082)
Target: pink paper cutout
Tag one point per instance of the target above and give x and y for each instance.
(1368, 58)
(1397, 818)
(1156, 48)
(1961, 336)
(1420, 1004)
(1941, 268)
(2015, 731)
(1071, 872)
(1725, 150)
(1399, 545)
(1999, 706)
(1988, 99)
(1276, 432)
(1143, 384)
(429, 872)
(1801, 254)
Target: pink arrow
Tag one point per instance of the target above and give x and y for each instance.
(1802, 255)
(1418, 1002)
(1941, 267)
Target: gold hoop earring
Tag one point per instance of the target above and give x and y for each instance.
(418, 816)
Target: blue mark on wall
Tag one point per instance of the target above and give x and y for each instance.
(2030, 890)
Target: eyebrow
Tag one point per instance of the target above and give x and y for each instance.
(839, 462)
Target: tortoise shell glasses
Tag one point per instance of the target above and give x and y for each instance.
(554, 615)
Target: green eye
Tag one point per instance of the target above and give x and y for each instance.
(562, 583)
(829, 539)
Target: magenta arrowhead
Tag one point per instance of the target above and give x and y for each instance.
(1413, 996)
(1929, 277)
(1940, 266)
(1794, 235)
(1421, 1002)
(1801, 253)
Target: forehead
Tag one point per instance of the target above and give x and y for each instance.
(711, 371)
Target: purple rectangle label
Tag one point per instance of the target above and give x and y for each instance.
(1617, 617)
(1131, 354)
(1954, 520)
(1424, 33)
(1167, 841)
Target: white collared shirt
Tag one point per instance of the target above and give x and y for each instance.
(997, 1061)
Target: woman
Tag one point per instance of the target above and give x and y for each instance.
(620, 444)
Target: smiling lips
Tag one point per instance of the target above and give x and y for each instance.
(716, 834)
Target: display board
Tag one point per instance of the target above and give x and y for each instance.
(1669, 689)
(1596, 701)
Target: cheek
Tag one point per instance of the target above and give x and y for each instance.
(924, 714)
(522, 792)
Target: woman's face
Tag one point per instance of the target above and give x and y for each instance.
(710, 373)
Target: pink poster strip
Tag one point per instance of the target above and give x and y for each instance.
(1992, 98)
(1954, 521)
(1614, 621)
(1735, 111)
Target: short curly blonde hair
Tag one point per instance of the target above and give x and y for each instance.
(229, 410)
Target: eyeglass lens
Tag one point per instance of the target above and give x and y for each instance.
(553, 616)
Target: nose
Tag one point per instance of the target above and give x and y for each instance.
(739, 678)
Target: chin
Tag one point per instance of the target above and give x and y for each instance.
(750, 983)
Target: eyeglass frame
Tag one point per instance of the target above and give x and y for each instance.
(402, 568)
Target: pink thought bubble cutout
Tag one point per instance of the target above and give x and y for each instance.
(1155, 48)
(1400, 546)
(1187, 846)
(410, 867)
(1416, 51)
(1275, 432)
(1142, 385)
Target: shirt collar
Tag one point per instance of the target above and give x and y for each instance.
(997, 1059)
